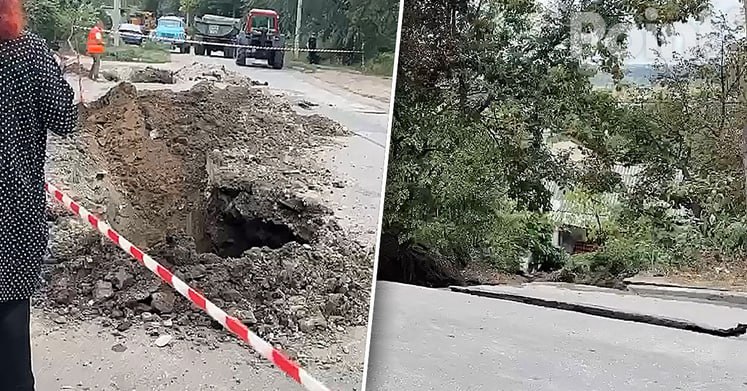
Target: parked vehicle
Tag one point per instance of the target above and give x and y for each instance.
(145, 19)
(173, 30)
(218, 31)
(262, 30)
(131, 34)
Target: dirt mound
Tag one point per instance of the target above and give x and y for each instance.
(199, 71)
(152, 75)
(156, 143)
(220, 186)
(325, 126)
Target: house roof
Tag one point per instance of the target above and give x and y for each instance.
(563, 210)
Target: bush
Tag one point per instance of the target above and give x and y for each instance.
(54, 20)
(151, 53)
(382, 64)
(621, 257)
(520, 234)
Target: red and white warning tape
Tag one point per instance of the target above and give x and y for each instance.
(230, 45)
(232, 324)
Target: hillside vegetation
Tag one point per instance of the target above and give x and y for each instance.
(472, 166)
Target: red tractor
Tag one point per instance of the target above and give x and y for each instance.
(261, 30)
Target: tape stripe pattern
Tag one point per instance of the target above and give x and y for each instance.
(230, 45)
(232, 324)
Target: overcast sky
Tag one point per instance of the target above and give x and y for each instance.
(642, 43)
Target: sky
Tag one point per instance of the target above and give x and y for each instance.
(643, 43)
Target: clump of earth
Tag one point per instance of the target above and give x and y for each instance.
(198, 71)
(220, 185)
(195, 72)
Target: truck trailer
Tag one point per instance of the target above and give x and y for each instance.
(216, 32)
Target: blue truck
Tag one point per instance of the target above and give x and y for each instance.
(172, 30)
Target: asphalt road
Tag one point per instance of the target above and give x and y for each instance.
(79, 356)
(439, 340)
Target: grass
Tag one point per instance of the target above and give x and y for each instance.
(149, 52)
(381, 65)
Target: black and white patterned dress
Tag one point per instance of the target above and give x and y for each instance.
(34, 99)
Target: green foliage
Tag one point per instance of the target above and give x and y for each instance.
(188, 5)
(350, 24)
(689, 198)
(54, 20)
(151, 53)
(44, 18)
(382, 64)
(468, 159)
(483, 86)
(621, 257)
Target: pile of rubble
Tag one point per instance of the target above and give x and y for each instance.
(195, 72)
(198, 71)
(219, 185)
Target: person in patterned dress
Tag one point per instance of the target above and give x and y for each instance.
(34, 99)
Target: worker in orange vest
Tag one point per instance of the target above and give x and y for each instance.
(95, 47)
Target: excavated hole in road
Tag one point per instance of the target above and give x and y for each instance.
(225, 231)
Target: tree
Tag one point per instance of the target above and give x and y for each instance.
(54, 20)
(188, 7)
(346, 24)
(481, 86)
(742, 59)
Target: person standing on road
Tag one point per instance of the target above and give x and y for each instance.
(34, 99)
(311, 45)
(95, 46)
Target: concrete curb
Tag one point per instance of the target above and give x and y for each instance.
(605, 312)
(671, 290)
(660, 282)
(710, 296)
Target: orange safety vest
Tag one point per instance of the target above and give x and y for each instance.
(95, 44)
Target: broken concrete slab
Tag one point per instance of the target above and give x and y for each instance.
(685, 315)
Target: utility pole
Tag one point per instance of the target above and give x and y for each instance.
(116, 15)
(741, 62)
(297, 40)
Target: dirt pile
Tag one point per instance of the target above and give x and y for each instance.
(195, 72)
(152, 75)
(156, 144)
(204, 72)
(219, 185)
(324, 126)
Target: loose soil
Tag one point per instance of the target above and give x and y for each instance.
(220, 186)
